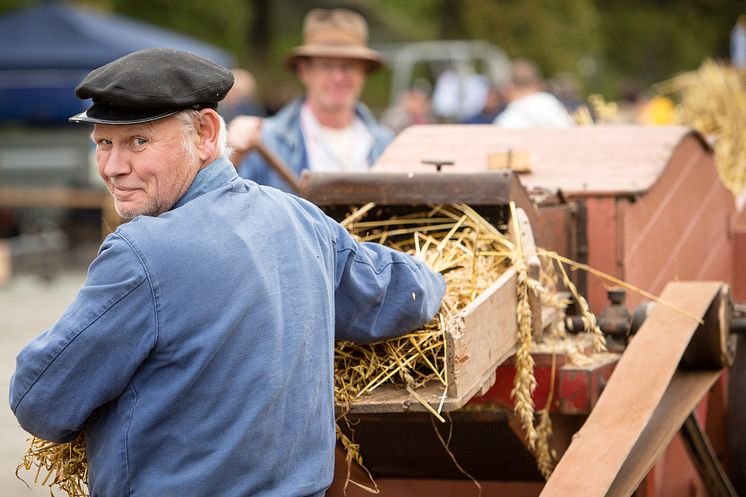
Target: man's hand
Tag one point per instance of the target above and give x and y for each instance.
(244, 134)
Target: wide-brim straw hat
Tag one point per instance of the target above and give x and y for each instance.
(335, 33)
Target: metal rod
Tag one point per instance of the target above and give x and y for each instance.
(738, 326)
(704, 458)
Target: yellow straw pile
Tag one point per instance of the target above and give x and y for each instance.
(713, 101)
(65, 465)
(453, 240)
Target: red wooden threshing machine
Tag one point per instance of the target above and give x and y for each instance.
(643, 204)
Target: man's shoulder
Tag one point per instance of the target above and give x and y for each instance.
(282, 133)
(288, 115)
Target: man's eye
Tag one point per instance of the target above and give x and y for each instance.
(103, 142)
(140, 141)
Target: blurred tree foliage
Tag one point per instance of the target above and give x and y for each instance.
(610, 44)
(554, 34)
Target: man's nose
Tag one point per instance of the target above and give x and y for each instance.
(116, 163)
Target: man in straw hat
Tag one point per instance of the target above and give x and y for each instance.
(328, 129)
(198, 357)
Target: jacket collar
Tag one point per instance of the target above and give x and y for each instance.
(216, 174)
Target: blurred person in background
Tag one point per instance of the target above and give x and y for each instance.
(566, 87)
(412, 107)
(657, 110)
(241, 98)
(459, 93)
(327, 129)
(530, 105)
(738, 43)
(494, 104)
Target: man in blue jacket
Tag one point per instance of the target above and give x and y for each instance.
(198, 357)
(328, 129)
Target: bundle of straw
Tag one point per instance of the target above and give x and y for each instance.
(712, 100)
(65, 465)
(453, 240)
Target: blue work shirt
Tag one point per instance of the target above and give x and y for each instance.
(282, 134)
(199, 354)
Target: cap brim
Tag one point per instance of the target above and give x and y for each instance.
(371, 57)
(106, 114)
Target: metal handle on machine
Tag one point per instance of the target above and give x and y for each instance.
(280, 167)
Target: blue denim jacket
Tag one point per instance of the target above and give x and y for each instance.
(199, 354)
(282, 135)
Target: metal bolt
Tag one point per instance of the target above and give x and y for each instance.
(438, 163)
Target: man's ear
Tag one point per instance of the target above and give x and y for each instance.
(301, 70)
(208, 130)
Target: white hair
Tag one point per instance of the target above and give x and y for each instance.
(189, 119)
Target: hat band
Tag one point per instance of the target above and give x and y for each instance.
(334, 37)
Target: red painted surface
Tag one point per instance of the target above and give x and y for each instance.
(657, 212)
(739, 272)
(679, 229)
(604, 240)
(435, 488)
(739, 255)
(575, 389)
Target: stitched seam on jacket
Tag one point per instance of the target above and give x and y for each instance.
(375, 270)
(126, 441)
(155, 341)
(150, 284)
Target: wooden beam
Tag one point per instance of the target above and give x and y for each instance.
(63, 198)
(488, 188)
(633, 394)
(682, 396)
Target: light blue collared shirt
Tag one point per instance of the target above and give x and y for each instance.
(283, 135)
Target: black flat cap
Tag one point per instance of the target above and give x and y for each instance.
(151, 84)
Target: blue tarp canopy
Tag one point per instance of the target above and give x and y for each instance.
(45, 51)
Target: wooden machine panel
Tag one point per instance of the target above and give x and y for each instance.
(478, 340)
(656, 208)
(484, 333)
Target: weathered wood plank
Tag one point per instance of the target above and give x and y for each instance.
(63, 198)
(481, 337)
(681, 398)
(632, 395)
(425, 187)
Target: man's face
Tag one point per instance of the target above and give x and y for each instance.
(145, 166)
(332, 83)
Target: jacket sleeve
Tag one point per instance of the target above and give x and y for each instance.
(88, 357)
(380, 292)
